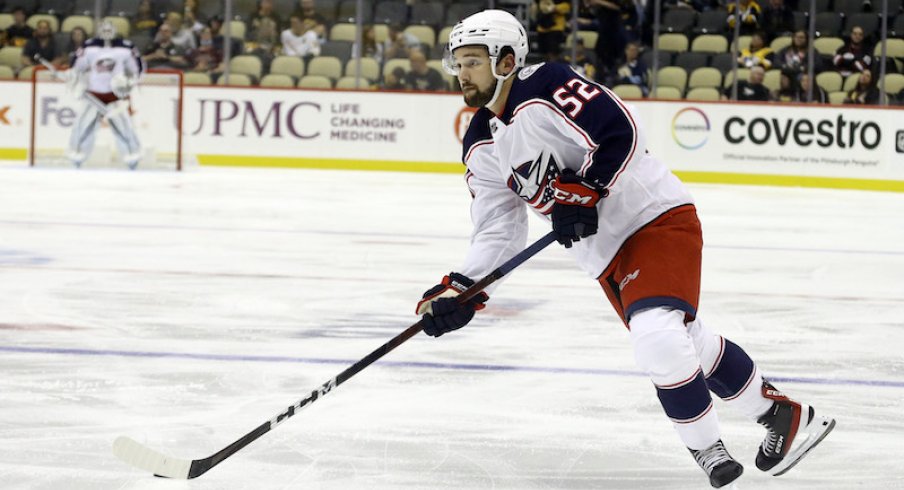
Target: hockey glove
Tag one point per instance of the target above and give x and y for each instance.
(574, 215)
(441, 310)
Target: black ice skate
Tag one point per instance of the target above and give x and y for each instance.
(721, 468)
(793, 430)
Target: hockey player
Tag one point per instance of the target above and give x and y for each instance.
(106, 69)
(547, 139)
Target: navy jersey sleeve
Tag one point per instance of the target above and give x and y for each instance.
(598, 112)
(478, 133)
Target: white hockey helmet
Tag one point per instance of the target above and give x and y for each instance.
(494, 29)
(106, 31)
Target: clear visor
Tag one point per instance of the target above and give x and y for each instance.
(453, 66)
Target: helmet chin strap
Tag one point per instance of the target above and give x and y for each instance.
(499, 81)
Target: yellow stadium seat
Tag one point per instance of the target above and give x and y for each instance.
(34, 19)
(327, 66)
(828, 45)
(246, 64)
(288, 65)
(196, 78)
(235, 79)
(672, 76)
(710, 43)
(277, 80)
(668, 93)
(315, 81)
(628, 91)
(348, 83)
(708, 94)
(705, 76)
(370, 69)
(424, 34)
(830, 81)
(673, 42)
(83, 21)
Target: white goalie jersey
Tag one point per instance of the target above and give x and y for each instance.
(108, 67)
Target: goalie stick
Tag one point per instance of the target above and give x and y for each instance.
(143, 457)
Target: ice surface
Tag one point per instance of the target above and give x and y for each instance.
(183, 310)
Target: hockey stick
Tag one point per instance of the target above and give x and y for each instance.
(100, 106)
(140, 456)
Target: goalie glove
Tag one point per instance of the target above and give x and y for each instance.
(121, 85)
(574, 214)
(441, 310)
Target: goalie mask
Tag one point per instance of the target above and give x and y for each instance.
(494, 29)
(106, 32)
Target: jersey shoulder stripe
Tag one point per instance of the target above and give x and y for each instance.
(96, 42)
(478, 132)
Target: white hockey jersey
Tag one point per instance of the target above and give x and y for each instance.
(102, 62)
(556, 119)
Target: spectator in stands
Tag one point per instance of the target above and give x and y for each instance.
(77, 38)
(610, 39)
(752, 88)
(300, 39)
(866, 92)
(398, 43)
(586, 18)
(777, 19)
(145, 21)
(794, 56)
(18, 33)
(550, 17)
(788, 88)
(180, 34)
(207, 57)
(421, 76)
(42, 44)
(757, 53)
(583, 60)
(372, 49)
(263, 43)
(395, 80)
(191, 18)
(312, 20)
(164, 53)
(750, 13)
(820, 96)
(634, 70)
(264, 14)
(854, 55)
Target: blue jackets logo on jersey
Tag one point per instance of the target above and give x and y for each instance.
(532, 181)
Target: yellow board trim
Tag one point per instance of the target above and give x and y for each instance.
(457, 168)
(330, 163)
(791, 181)
(13, 153)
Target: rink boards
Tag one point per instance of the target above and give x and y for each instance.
(768, 144)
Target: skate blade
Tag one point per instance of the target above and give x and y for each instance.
(815, 432)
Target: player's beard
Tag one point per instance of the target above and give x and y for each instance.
(479, 98)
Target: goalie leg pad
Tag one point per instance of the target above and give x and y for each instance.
(664, 350)
(124, 132)
(81, 140)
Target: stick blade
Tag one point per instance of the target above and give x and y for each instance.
(145, 458)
